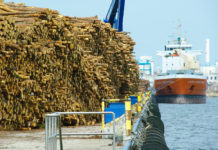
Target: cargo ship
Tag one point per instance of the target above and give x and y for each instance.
(180, 80)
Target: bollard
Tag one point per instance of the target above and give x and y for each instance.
(103, 122)
(128, 117)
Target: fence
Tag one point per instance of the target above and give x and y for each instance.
(53, 129)
(128, 108)
(116, 107)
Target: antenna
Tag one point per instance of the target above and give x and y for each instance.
(179, 29)
(207, 51)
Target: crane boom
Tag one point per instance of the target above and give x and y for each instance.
(115, 14)
(189, 61)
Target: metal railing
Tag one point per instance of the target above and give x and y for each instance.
(138, 127)
(53, 124)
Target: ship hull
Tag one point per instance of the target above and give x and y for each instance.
(183, 89)
(181, 99)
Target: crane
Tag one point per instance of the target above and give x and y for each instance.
(189, 61)
(115, 14)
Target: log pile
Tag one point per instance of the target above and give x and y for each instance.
(50, 63)
(143, 85)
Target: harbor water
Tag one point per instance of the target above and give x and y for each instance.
(191, 126)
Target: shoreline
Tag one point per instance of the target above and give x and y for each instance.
(212, 94)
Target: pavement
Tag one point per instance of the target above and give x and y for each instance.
(35, 139)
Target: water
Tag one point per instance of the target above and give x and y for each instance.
(191, 126)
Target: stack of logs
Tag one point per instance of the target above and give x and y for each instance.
(143, 85)
(52, 63)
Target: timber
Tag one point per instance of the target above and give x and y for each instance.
(55, 63)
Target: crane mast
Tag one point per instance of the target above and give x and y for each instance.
(115, 14)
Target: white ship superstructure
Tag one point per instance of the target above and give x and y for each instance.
(179, 56)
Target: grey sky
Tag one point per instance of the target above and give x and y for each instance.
(151, 22)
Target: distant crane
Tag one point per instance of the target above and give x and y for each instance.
(115, 14)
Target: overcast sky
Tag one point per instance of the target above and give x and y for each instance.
(151, 22)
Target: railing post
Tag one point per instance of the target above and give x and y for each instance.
(60, 133)
(128, 117)
(139, 104)
(147, 96)
(46, 133)
(144, 99)
(114, 132)
(103, 121)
